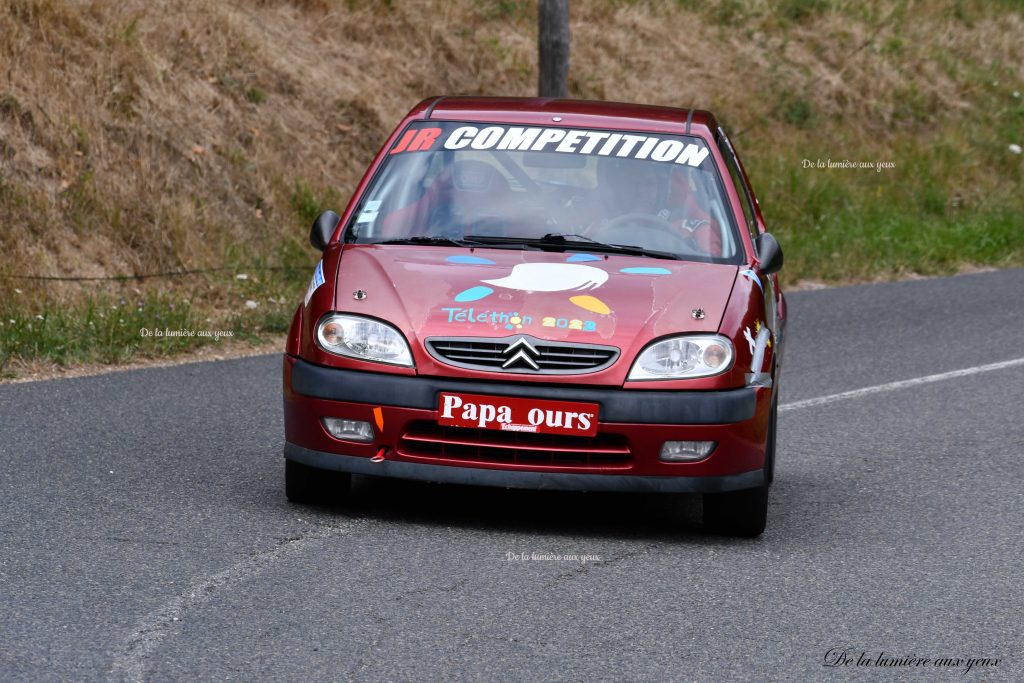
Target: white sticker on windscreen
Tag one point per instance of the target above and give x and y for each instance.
(567, 141)
(667, 149)
(369, 212)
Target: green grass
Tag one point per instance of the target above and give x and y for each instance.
(113, 328)
(951, 201)
(98, 329)
(861, 244)
(255, 95)
(308, 204)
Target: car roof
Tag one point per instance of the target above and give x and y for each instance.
(538, 111)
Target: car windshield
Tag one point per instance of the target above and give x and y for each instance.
(532, 187)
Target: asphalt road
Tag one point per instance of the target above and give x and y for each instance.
(144, 533)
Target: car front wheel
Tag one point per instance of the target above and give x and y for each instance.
(305, 484)
(743, 513)
(737, 513)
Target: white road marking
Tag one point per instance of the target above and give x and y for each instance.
(130, 663)
(902, 384)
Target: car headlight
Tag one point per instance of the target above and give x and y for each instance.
(363, 338)
(684, 357)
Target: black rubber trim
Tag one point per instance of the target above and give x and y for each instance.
(430, 109)
(517, 479)
(647, 406)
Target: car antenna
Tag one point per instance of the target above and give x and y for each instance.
(430, 109)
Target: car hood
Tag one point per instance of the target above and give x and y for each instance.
(624, 301)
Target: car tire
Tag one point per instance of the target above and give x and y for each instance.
(769, 460)
(744, 513)
(305, 484)
(737, 513)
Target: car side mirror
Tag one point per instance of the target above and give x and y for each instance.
(769, 253)
(323, 228)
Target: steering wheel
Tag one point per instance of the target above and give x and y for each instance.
(628, 223)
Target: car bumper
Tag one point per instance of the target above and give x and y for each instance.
(623, 456)
(554, 481)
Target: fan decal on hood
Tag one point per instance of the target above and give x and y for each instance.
(475, 260)
(646, 271)
(569, 276)
(549, 277)
(473, 294)
(591, 303)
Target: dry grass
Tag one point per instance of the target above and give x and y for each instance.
(141, 137)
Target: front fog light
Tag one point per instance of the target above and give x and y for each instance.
(686, 451)
(349, 430)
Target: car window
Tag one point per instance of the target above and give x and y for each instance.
(456, 180)
(746, 200)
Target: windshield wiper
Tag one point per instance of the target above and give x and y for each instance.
(433, 241)
(594, 245)
(562, 237)
(563, 242)
(468, 242)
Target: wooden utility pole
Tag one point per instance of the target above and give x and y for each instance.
(553, 44)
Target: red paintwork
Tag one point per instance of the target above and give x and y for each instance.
(412, 286)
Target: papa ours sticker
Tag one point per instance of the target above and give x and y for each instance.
(318, 279)
(561, 140)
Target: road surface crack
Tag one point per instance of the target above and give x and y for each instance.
(131, 661)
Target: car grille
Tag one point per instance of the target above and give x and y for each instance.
(521, 353)
(433, 441)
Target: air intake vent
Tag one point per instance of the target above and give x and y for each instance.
(521, 353)
(428, 440)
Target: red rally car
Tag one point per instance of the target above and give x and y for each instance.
(549, 294)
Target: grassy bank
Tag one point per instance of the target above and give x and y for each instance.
(137, 139)
(119, 322)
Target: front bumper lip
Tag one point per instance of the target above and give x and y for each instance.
(555, 481)
(617, 405)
